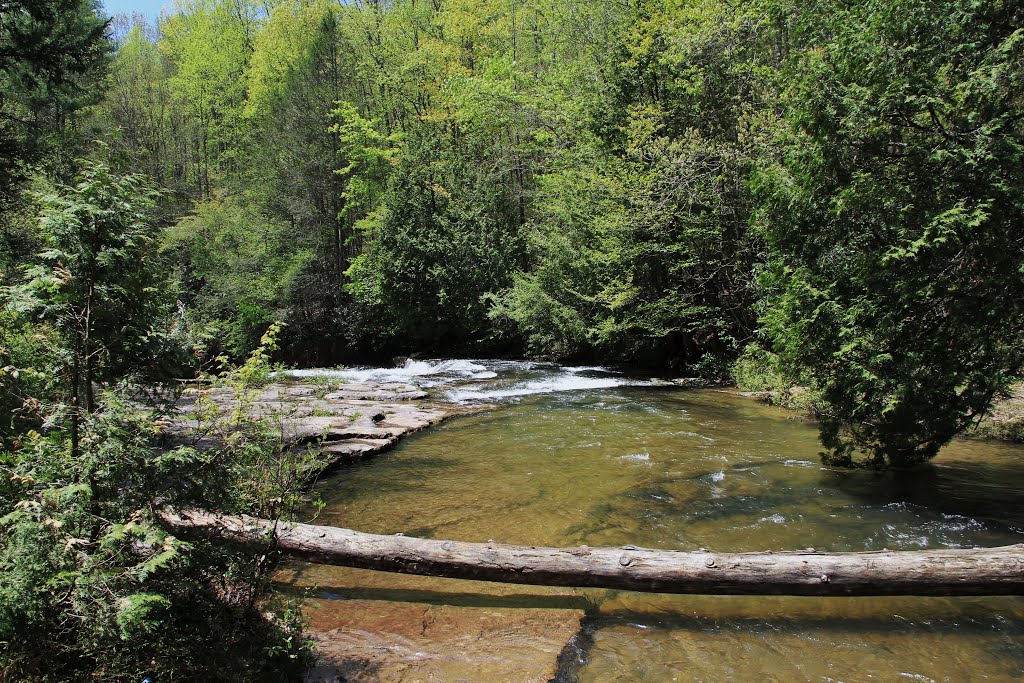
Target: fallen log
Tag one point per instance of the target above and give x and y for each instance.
(983, 571)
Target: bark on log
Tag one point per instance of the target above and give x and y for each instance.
(983, 571)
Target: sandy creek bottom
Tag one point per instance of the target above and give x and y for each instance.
(684, 469)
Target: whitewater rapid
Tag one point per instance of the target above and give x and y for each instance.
(474, 381)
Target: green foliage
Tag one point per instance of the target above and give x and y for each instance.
(325, 384)
(209, 44)
(94, 586)
(894, 222)
(25, 354)
(19, 227)
(267, 480)
(94, 289)
(640, 243)
(758, 370)
(257, 370)
(138, 116)
(241, 268)
(366, 158)
(657, 182)
(762, 372)
(564, 303)
(52, 54)
(441, 240)
(96, 279)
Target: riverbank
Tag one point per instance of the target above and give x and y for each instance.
(342, 422)
(1004, 422)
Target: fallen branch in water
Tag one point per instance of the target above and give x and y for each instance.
(983, 571)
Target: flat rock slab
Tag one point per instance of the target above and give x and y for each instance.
(360, 641)
(344, 423)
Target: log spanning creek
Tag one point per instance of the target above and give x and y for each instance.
(584, 456)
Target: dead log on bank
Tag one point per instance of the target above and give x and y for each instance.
(984, 571)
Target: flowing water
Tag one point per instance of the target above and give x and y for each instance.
(572, 456)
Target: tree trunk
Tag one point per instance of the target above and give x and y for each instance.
(76, 409)
(991, 571)
(87, 352)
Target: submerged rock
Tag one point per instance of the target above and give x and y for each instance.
(400, 642)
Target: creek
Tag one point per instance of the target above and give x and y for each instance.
(570, 456)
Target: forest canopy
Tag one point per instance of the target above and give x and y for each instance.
(829, 192)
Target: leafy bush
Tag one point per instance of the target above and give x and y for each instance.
(94, 586)
(23, 350)
(241, 266)
(257, 370)
(758, 370)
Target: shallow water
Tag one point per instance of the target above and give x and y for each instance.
(583, 455)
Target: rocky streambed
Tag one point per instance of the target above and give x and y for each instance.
(345, 416)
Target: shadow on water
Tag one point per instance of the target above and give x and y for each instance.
(938, 618)
(985, 492)
(455, 598)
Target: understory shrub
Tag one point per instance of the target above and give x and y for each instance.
(95, 586)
